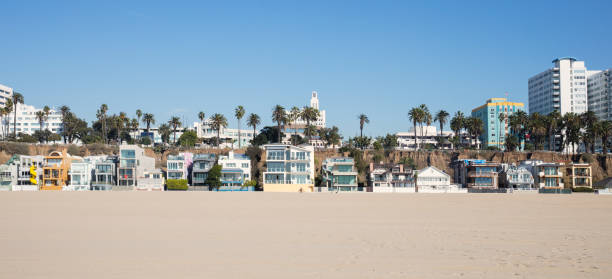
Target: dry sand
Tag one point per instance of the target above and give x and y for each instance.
(322, 235)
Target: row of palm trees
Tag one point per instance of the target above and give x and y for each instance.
(218, 121)
(282, 118)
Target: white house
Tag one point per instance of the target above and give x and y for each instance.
(390, 179)
(235, 170)
(434, 180)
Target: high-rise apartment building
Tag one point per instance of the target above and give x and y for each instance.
(494, 129)
(562, 88)
(600, 93)
(6, 93)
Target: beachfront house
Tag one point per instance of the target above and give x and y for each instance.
(517, 177)
(288, 168)
(390, 178)
(132, 165)
(434, 180)
(545, 175)
(339, 174)
(202, 163)
(476, 173)
(29, 172)
(578, 175)
(55, 170)
(151, 180)
(177, 166)
(235, 171)
(104, 174)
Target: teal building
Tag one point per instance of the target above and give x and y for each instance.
(495, 131)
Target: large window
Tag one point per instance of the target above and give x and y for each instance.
(275, 155)
(276, 167)
(128, 153)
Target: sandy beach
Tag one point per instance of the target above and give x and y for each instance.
(323, 235)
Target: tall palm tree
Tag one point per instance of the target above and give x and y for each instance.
(588, 120)
(164, 132)
(101, 115)
(253, 121)
(42, 117)
(571, 123)
(64, 111)
(279, 116)
(416, 116)
(239, 113)
(294, 114)
(605, 132)
(441, 117)
(122, 121)
(427, 119)
(201, 116)
(135, 124)
(552, 122)
(457, 124)
(502, 128)
(363, 119)
(309, 114)
(138, 116)
(475, 128)
(3, 113)
(218, 121)
(148, 119)
(17, 99)
(175, 123)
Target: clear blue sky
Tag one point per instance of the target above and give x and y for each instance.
(379, 58)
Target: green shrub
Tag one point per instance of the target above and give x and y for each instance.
(177, 184)
(587, 157)
(582, 190)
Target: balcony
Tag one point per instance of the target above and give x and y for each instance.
(555, 75)
(555, 81)
(555, 69)
(482, 174)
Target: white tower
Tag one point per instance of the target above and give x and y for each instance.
(314, 100)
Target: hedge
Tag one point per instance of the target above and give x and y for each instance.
(582, 189)
(177, 184)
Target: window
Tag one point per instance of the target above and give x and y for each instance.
(245, 165)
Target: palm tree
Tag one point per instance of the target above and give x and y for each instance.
(164, 132)
(552, 122)
(502, 128)
(253, 122)
(309, 114)
(64, 110)
(218, 121)
(571, 123)
(416, 116)
(42, 117)
(175, 123)
(101, 115)
(605, 132)
(122, 121)
(427, 119)
(148, 118)
(588, 120)
(135, 125)
(441, 118)
(294, 115)
(17, 99)
(279, 116)
(239, 113)
(363, 119)
(475, 127)
(201, 116)
(138, 116)
(457, 123)
(3, 113)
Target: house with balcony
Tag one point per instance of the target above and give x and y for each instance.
(132, 165)
(151, 180)
(476, 173)
(178, 166)
(289, 168)
(55, 170)
(434, 180)
(8, 176)
(104, 174)
(235, 171)
(29, 172)
(578, 175)
(81, 173)
(202, 163)
(545, 175)
(390, 178)
(340, 174)
(517, 177)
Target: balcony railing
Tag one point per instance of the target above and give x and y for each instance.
(481, 173)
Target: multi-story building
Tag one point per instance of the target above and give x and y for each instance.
(8, 177)
(434, 180)
(289, 168)
(55, 170)
(235, 171)
(476, 174)
(578, 175)
(300, 124)
(600, 93)
(104, 174)
(80, 176)
(132, 165)
(495, 131)
(27, 122)
(228, 136)
(390, 178)
(517, 177)
(177, 166)
(202, 163)
(29, 172)
(151, 180)
(426, 135)
(339, 174)
(562, 88)
(545, 175)
(6, 93)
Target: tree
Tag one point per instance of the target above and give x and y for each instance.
(4, 112)
(294, 115)
(218, 121)
(511, 142)
(42, 117)
(138, 116)
(441, 118)
(239, 113)
(253, 122)
(309, 114)
(605, 132)
(363, 119)
(457, 124)
(135, 124)
(213, 180)
(571, 123)
(588, 121)
(64, 111)
(427, 119)
(148, 119)
(416, 115)
(474, 127)
(175, 123)
(164, 131)
(16, 99)
(188, 138)
(552, 122)
(279, 116)
(502, 127)
(101, 115)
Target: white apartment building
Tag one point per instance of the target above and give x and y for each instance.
(27, 122)
(6, 93)
(289, 168)
(424, 135)
(229, 137)
(235, 169)
(562, 88)
(600, 93)
(314, 103)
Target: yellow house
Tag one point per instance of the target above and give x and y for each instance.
(289, 168)
(55, 170)
(579, 175)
